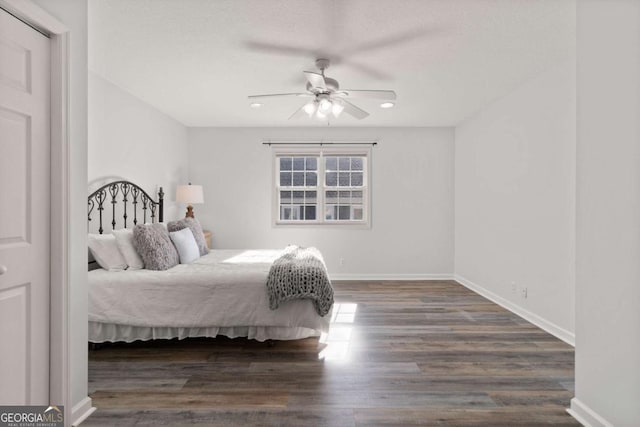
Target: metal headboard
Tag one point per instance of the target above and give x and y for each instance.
(139, 201)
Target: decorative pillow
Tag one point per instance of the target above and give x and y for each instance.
(196, 229)
(104, 249)
(163, 224)
(186, 245)
(124, 240)
(154, 246)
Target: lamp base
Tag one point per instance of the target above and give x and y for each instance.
(189, 213)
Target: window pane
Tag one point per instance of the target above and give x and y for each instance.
(332, 179)
(312, 163)
(331, 197)
(345, 196)
(356, 179)
(298, 179)
(312, 179)
(344, 212)
(298, 197)
(356, 163)
(297, 213)
(331, 212)
(356, 197)
(285, 197)
(285, 213)
(285, 163)
(344, 163)
(357, 213)
(310, 197)
(291, 213)
(285, 179)
(331, 163)
(310, 213)
(343, 179)
(298, 163)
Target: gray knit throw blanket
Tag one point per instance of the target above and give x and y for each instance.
(300, 273)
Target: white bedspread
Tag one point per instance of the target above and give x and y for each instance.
(226, 288)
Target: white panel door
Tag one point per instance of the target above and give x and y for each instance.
(24, 213)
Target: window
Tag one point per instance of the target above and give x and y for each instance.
(322, 186)
(298, 188)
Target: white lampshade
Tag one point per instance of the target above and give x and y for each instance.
(337, 108)
(324, 106)
(190, 194)
(310, 107)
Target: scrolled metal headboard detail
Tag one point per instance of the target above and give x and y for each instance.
(130, 193)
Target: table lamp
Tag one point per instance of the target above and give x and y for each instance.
(189, 194)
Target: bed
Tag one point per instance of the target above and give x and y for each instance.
(220, 293)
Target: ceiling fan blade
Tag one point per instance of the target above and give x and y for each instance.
(316, 80)
(277, 48)
(387, 42)
(356, 112)
(365, 69)
(278, 95)
(387, 95)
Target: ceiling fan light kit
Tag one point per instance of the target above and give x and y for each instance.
(324, 104)
(337, 108)
(327, 98)
(310, 108)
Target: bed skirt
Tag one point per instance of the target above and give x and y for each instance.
(109, 332)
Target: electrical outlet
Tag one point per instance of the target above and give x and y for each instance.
(341, 261)
(524, 293)
(514, 287)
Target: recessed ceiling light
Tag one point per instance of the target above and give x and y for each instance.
(387, 105)
(256, 104)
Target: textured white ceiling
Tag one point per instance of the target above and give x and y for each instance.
(198, 60)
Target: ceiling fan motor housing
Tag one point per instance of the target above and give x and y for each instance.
(322, 64)
(330, 84)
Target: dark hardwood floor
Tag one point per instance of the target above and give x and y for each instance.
(399, 353)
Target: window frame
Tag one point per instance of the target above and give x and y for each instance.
(321, 152)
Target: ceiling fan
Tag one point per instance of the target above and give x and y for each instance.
(325, 97)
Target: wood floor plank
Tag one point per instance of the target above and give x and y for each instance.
(413, 353)
(224, 417)
(145, 398)
(469, 417)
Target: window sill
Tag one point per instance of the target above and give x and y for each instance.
(335, 224)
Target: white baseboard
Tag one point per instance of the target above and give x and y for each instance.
(444, 276)
(585, 415)
(81, 411)
(552, 328)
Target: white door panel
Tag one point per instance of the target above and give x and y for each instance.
(15, 69)
(14, 128)
(24, 213)
(14, 309)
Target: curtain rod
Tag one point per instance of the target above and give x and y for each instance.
(320, 143)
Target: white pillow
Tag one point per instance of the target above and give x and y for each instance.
(104, 249)
(124, 240)
(186, 245)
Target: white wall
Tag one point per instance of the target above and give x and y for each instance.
(515, 200)
(130, 139)
(608, 214)
(412, 199)
(73, 13)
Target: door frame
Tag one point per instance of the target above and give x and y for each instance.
(59, 347)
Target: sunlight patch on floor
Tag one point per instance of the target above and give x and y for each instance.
(338, 340)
